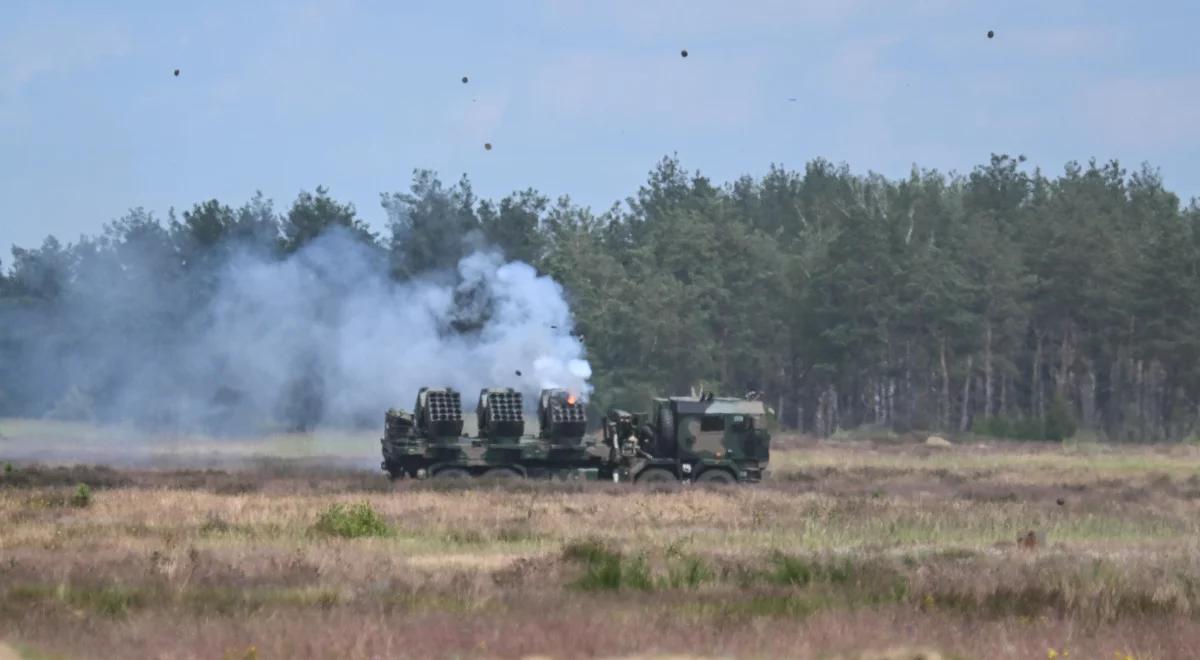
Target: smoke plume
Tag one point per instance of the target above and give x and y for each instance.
(323, 336)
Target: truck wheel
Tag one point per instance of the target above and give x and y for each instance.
(452, 473)
(666, 431)
(502, 473)
(715, 476)
(655, 476)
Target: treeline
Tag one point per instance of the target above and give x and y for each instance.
(1005, 300)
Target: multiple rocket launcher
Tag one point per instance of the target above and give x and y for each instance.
(682, 438)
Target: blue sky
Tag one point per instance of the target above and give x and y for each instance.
(578, 98)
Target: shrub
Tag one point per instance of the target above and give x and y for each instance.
(603, 573)
(588, 550)
(1057, 425)
(1010, 428)
(111, 601)
(353, 521)
(82, 497)
(8, 468)
(635, 574)
(603, 565)
(607, 569)
(842, 579)
(215, 524)
(1060, 425)
(690, 573)
(1029, 428)
(790, 571)
(515, 534)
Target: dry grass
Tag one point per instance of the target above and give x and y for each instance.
(850, 550)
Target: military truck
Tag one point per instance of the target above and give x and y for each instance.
(689, 439)
(700, 439)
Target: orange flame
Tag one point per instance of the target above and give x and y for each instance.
(570, 399)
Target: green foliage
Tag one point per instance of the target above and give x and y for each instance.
(82, 497)
(8, 468)
(1059, 423)
(606, 569)
(933, 302)
(791, 571)
(795, 571)
(603, 573)
(514, 226)
(867, 581)
(429, 224)
(313, 214)
(587, 550)
(112, 601)
(351, 521)
(688, 573)
(104, 599)
(1009, 428)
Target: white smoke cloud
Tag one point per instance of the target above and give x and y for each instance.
(369, 343)
(324, 336)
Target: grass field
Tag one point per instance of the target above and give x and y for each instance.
(852, 549)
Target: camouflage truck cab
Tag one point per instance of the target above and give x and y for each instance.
(710, 439)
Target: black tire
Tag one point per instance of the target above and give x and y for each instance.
(666, 433)
(655, 476)
(452, 473)
(502, 473)
(393, 472)
(715, 476)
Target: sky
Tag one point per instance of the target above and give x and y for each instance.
(577, 97)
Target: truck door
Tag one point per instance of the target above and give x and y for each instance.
(738, 435)
(706, 436)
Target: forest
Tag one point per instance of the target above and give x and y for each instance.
(1005, 301)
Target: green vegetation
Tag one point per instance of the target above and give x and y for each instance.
(688, 573)
(351, 521)
(606, 569)
(1058, 425)
(82, 497)
(109, 600)
(1018, 304)
(179, 563)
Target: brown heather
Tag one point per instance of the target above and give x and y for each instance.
(853, 549)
